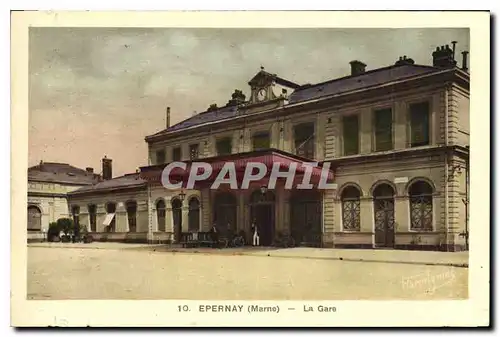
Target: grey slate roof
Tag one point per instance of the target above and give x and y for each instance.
(61, 173)
(362, 81)
(125, 181)
(205, 117)
(309, 92)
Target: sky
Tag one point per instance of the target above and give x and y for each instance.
(100, 91)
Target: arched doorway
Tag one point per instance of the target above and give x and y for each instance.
(383, 207)
(34, 219)
(225, 212)
(92, 208)
(177, 216)
(111, 209)
(160, 215)
(75, 211)
(306, 214)
(262, 208)
(131, 207)
(194, 215)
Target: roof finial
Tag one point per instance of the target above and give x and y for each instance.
(261, 67)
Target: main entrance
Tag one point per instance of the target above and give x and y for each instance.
(383, 205)
(262, 212)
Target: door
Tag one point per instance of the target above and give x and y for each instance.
(177, 217)
(262, 212)
(306, 213)
(264, 217)
(383, 205)
(225, 213)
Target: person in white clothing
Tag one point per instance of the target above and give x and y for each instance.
(256, 234)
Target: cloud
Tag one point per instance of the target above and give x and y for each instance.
(102, 90)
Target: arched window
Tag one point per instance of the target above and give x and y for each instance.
(93, 217)
(34, 218)
(421, 206)
(177, 217)
(194, 215)
(351, 209)
(160, 215)
(75, 211)
(132, 215)
(110, 222)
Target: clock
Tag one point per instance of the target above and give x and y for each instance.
(261, 95)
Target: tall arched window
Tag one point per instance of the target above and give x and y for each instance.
(177, 217)
(194, 215)
(421, 206)
(75, 211)
(34, 219)
(132, 215)
(160, 215)
(110, 222)
(93, 217)
(351, 210)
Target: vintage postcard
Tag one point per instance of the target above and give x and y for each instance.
(250, 169)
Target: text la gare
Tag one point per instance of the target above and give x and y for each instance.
(319, 308)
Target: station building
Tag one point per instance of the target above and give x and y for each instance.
(396, 140)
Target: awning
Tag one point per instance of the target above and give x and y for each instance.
(108, 219)
(267, 157)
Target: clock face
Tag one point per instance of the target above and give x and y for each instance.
(261, 95)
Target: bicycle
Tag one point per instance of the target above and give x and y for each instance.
(238, 241)
(284, 240)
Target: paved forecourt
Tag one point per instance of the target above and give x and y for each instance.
(78, 273)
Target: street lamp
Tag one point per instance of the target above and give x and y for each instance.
(263, 189)
(182, 196)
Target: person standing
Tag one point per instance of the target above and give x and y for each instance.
(214, 233)
(256, 234)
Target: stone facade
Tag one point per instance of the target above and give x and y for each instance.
(434, 219)
(436, 163)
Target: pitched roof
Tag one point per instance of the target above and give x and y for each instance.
(361, 81)
(126, 181)
(61, 173)
(315, 91)
(203, 117)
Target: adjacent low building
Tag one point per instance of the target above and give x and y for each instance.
(48, 187)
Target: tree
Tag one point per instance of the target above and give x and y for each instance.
(66, 225)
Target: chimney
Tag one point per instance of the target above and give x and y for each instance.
(442, 57)
(238, 97)
(107, 168)
(89, 170)
(168, 117)
(464, 60)
(403, 60)
(454, 43)
(357, 67)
